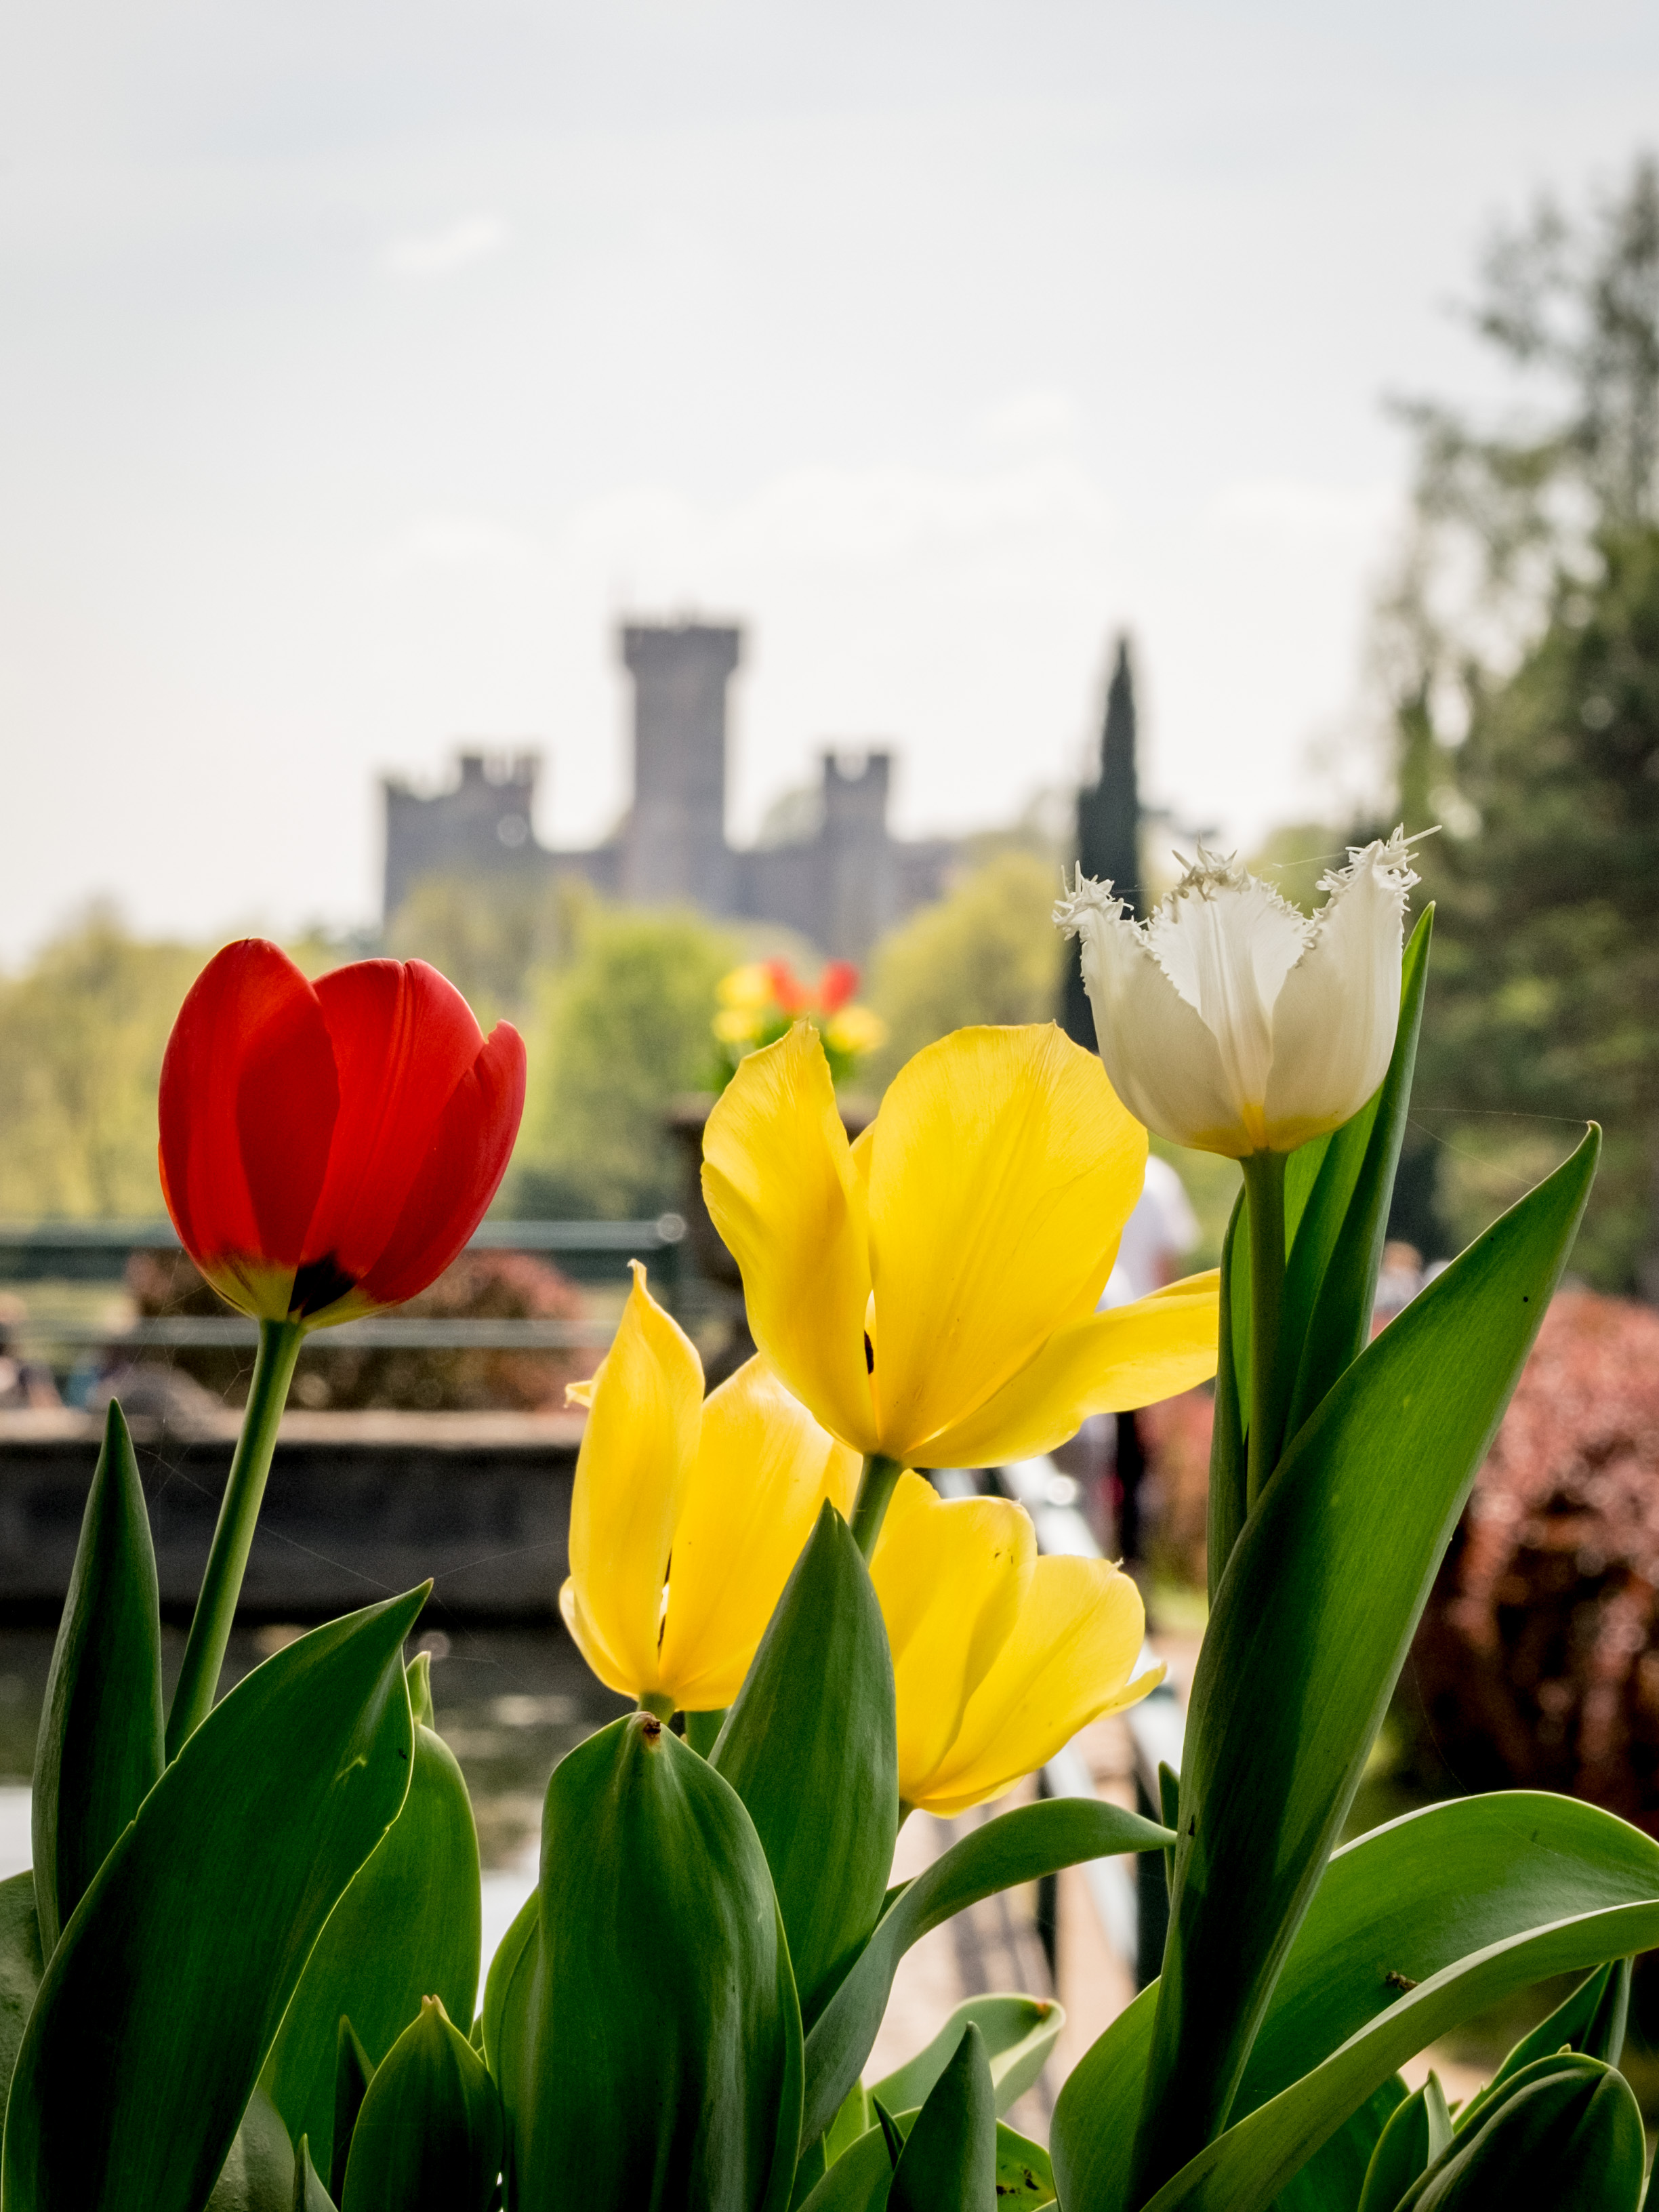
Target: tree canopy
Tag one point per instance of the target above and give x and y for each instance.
(1525, 632)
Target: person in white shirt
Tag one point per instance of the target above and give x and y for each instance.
(1157, 1238)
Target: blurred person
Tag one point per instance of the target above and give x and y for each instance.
(1399, 1280)
(25, 1384)
(1108, 1454)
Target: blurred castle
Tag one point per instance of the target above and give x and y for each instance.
(829, 866)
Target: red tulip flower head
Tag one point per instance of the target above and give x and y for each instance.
(329, 1147)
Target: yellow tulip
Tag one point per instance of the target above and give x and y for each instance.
(999, 1656)
(930, 1292)
(855, 1029)
(748, 988)
(688, 1513)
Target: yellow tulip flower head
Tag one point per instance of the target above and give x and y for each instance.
(688, 1513)
(999, 1656)
(930, 1292)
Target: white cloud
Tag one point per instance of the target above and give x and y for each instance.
(440, 252)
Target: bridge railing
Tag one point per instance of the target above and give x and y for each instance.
(94, 1252)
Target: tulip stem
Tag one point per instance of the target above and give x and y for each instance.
(1264, 1189)
(221, 1585)
(876, 1483)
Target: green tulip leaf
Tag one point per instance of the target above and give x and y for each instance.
(1018, 2033)
(258, 2174)
(99, 1752)
(429, 2137)
(1566, 2132)
(810, 1747)
(1243, 2170)
(855, 2116)
(949, 2162)
(1418, 2130)
(1311, 1624)
(861, 2179)
(354, 2071)
(891, 2134)
(657, 2062)
(167, 1988)
(1605, 2037)
(408, 1927)
(309, 2194)
(1590, 2020)
(1333, 2177)
(505, 1967)
(1016, 1847)
(1228, 1465)
(1330, 1281)
(21, 1969)
(1410, 1906)
(702, 1730)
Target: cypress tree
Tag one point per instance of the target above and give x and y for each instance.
(1108, 830)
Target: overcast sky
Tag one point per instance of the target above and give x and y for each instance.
(362, 365)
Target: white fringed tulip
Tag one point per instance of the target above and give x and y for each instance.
(1231, 1022)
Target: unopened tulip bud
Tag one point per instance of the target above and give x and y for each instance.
(1231, 1022)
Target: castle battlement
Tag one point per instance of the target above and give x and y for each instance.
(841, 886)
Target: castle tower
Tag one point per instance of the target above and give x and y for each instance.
(480, 828)
(858, 887)
(1108, 831)
(674, 846)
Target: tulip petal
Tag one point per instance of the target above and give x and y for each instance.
(952, 1576)
(632, 1471)
(781, 1191)
(592, 1646)
(763, 1468)
(249, 1098)
(403, 1039)
(1162, 1060)
(1226, 940)
(460, 1176)
(1129, 1356)
(1068, 1661)
(1002, 1167)
(1333, 1027)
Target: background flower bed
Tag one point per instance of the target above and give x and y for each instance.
(479, 1285)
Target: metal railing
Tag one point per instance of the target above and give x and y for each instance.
(97, 1252)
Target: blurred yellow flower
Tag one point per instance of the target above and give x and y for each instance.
(999, 1656)
(855, 1029)
(750, 986)
(930, 1292)
(724, 1490)
(737, 1024)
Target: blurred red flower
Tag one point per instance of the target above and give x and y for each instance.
(787, 989)
(836, 985)
(329, 1147)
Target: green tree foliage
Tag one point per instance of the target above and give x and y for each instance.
(82, 1035)
(621, 1028)
(1521, 648)
(987, 953)
(1546, 1001)
(492, 941)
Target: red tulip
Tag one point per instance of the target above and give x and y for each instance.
(329, 1147)
(787, 989)
(836, 985)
